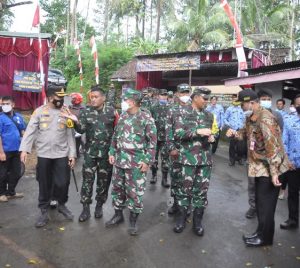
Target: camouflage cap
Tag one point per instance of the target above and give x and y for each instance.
(201, 91)
(163, 92)
(183, 88)
(132, 94)
(170, 93)
(145, 91)
(247, 95)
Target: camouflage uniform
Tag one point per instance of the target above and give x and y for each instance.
(159, 113)
(98, 126)
(194, 157)
(133, 142)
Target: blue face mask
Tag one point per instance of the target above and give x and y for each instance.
(163, 102)
(267, 104)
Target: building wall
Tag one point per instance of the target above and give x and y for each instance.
(276, 88)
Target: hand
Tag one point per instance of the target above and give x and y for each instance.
(174, 154)
(2, 156)
(143, 167)
(23, 157)
(204, 132)
(211, 139)
(72, 162)
(111, 159)
(230, 132)
(70, 116)
(276, 181)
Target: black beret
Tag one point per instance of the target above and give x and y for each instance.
(247, 95)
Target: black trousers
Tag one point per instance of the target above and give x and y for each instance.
(266, 196)
(293, 180)
(214, 146)
(236, 148)
(10, 173)
(53, 173)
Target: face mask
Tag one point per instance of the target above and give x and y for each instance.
(58, 103)
(248, 113)
(298, 110)
(124, 106)
(163, 102)
(185, 99)
(292, 109)
(267, 104)
(6, 108)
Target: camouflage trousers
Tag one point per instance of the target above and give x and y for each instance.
(174, 174)
(161, 148)
(128, 188)
(93, 167)
(193, 185)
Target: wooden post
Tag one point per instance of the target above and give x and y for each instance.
(190, 78)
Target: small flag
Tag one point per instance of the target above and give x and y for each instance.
(36, 18)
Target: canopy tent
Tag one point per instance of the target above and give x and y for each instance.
(20, 51)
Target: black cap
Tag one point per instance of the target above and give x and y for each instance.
(163, 92)
(56, 90)
(201, 91)
(183, 88)
(247, 95)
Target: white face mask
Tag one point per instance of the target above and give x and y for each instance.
(6, 108)
(292, 110)
(184, 99)
(248, 113)
(267, 104)
(124, 106)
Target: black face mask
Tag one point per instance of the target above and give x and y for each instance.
(58, 103)
(298, 109)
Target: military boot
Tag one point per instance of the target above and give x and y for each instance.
(42, 219)
(133, 229)
(164, 181)
(98, 210)
(154, 175)
(197, 221)
(174, 209)
(180, 220)
(116, 219)
(85, 214)
(65, 211)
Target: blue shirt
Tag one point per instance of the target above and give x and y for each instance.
(9, 132)
(282, 112)
(291, 139)
(218, 111)
(234, 117)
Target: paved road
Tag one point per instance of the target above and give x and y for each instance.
(90, 244)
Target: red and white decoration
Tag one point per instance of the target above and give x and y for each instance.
(78, 51)
(95, 54)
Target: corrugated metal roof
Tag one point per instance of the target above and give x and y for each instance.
(25, 35)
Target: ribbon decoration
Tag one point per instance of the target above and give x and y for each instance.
(78, 51)
(36, 23)
(95, 54)
(239, 40)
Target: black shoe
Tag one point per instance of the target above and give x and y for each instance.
(85, 214)
(43, 219)
(289, 224)
(174, 209)
(133, 229)
(98, 210)
(116, 219)
(153, 179)
(164, 181)
(241, 162)
(66, 212)
(256, 242)
(180, 220)
(251, 213)
(197, 221)
(250, 236)
(231, 163)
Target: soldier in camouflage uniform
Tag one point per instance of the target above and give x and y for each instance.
(97, 121)
(193, 132)
(159, 112)
(147, 99)
(131, 152)
(182, 98)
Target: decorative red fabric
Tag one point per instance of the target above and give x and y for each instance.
(21, 56)
(148, 79)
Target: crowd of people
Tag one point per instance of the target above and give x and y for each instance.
(119, 148)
